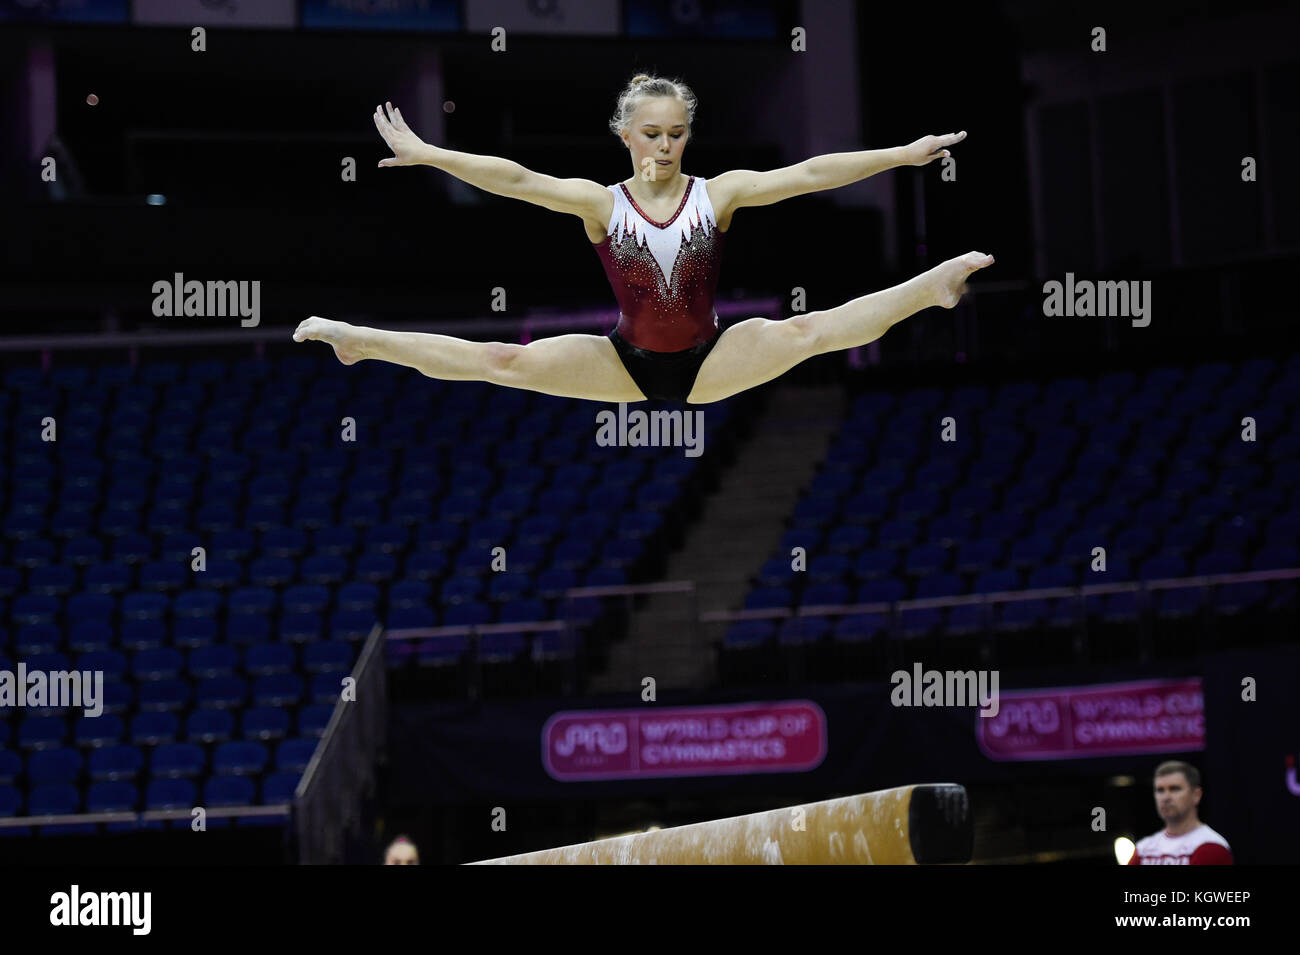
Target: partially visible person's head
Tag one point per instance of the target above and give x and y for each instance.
(1177, 791)
(653, 119)
(402, 851)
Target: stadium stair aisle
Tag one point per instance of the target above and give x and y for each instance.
(741, 523)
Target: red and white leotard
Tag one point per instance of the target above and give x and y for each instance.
(664, 274)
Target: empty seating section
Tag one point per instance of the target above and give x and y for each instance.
(1150, 466)
(207, 536)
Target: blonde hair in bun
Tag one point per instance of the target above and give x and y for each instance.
(643, 85)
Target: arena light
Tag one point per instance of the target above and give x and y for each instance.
(1124, 849)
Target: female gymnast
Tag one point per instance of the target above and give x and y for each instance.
(659, 237)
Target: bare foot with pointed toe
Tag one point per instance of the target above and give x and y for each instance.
(346, 339)
(949, 277)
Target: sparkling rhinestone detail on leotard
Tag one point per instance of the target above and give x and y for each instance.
(664, 274)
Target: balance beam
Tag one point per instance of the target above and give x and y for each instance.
(911, 825)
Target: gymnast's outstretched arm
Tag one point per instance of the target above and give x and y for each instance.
(744, 187)
(504, 177)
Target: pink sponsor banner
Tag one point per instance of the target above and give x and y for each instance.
(1114, 719)
(784, 737)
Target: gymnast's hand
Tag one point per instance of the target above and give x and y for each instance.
(929, 148)
(408, 148)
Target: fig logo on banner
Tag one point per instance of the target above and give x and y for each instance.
(1151, 716)
(1292, 784)
(609, 739)
(785, 737)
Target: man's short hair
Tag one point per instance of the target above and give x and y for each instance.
(1178, 766)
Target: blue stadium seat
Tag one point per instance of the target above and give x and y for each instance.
(229, 791)
(11, 800)
(42, 732)
(265, 723)
(177, 760)
(88, 636)
(919, 621)
(358, 595)
(195, 603)
(164, 695)
(1052, 577)
(825, 594)
(408, 618)
(441, 650)
(247, 629)
(293, 755)
(163, 576)
(111, 663)
(940, 585)
(993, 581)
(1020, 614)
(103, 730)
(53, 799)
(209, 726)
(212, 660)
(171, 794)
(376, 568)
(240, 758)
(882, 590)
(37, 638)
(326, 687)
(828, 569)
(264, 659)
(278, 689)
(926, 559)
(324, 569)
(159, 663)
(301, 627)
(142, 634)
(351, 625)
(221, 692)
(33, 609)
(148, 729)
(257, 600)
(141, 605)
(60, 765)
(327, 656)
(11, 766)
(236, 544)
(467, 614)
(523, 611)
(857, 627)
(112, 797)
(798, 630)
(871, 564)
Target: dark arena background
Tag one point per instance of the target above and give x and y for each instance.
(330, 604)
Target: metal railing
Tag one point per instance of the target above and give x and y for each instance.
(327, 802)
(893, 607)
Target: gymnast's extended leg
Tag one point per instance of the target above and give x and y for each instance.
(570, 366)
(759, 349)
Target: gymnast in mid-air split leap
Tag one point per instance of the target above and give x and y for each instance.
(659, 236)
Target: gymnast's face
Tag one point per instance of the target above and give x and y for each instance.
(1175, 798)
(656, 137)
